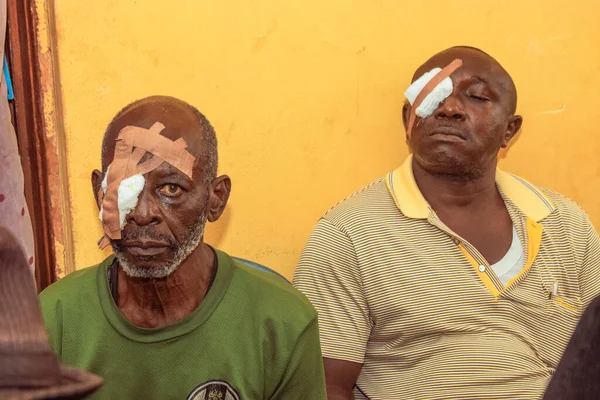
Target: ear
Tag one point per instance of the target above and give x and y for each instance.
(220, 188)
(512, 129)
(406, 114)
(406, 110)
(97, 177)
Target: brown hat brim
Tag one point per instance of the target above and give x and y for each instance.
(75, 384)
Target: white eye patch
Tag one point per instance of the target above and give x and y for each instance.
(433, 100)
(128, 194)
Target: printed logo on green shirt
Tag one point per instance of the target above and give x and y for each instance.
(214, 390)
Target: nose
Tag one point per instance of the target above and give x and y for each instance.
(146, 212)
(451, 108)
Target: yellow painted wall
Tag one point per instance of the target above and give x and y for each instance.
(306, 96)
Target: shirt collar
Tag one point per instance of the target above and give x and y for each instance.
(409, 199)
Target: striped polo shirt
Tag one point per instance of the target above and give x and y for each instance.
(421, 308)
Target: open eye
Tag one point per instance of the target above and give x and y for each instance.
(171, 190)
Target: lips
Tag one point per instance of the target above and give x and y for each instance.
(144, 247)
(448, 133)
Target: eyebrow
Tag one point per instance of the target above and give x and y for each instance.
(481, 79)
(493, 87)
(171, 174)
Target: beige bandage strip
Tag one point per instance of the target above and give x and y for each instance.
(132, 144)
(436, 80)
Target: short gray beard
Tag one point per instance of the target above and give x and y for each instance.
(181, 254)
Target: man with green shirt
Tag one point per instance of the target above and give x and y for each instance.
(168, 316)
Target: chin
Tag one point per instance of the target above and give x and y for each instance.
(448, 164)
(149, 273)
(146, 267)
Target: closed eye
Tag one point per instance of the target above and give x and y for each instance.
(479, 98)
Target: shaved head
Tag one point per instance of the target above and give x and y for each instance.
(177, 116)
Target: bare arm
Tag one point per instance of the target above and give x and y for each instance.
(340, 377)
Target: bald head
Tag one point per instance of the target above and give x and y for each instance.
(478, 62)
(181, 120)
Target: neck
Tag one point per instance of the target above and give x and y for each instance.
(154, 303)
(447, 192)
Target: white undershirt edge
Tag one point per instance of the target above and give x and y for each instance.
(513, 261)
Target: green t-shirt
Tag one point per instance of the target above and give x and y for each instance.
(253, 337)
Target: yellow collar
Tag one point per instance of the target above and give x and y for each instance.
(409, 199)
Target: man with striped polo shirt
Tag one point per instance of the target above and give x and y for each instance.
(449, 278)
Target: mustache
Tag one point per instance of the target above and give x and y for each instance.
(431, 126)
(145, 233)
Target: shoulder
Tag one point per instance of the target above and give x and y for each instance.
(73, 297)
(565, 206)
(567, 213)
(568, 222)
(540, 203)
(367, 202)
(72, 287)
(271, 293)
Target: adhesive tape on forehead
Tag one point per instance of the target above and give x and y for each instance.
(433, 100)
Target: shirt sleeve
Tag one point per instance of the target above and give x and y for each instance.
(589, 275)
(329, 276)
(304, 377)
